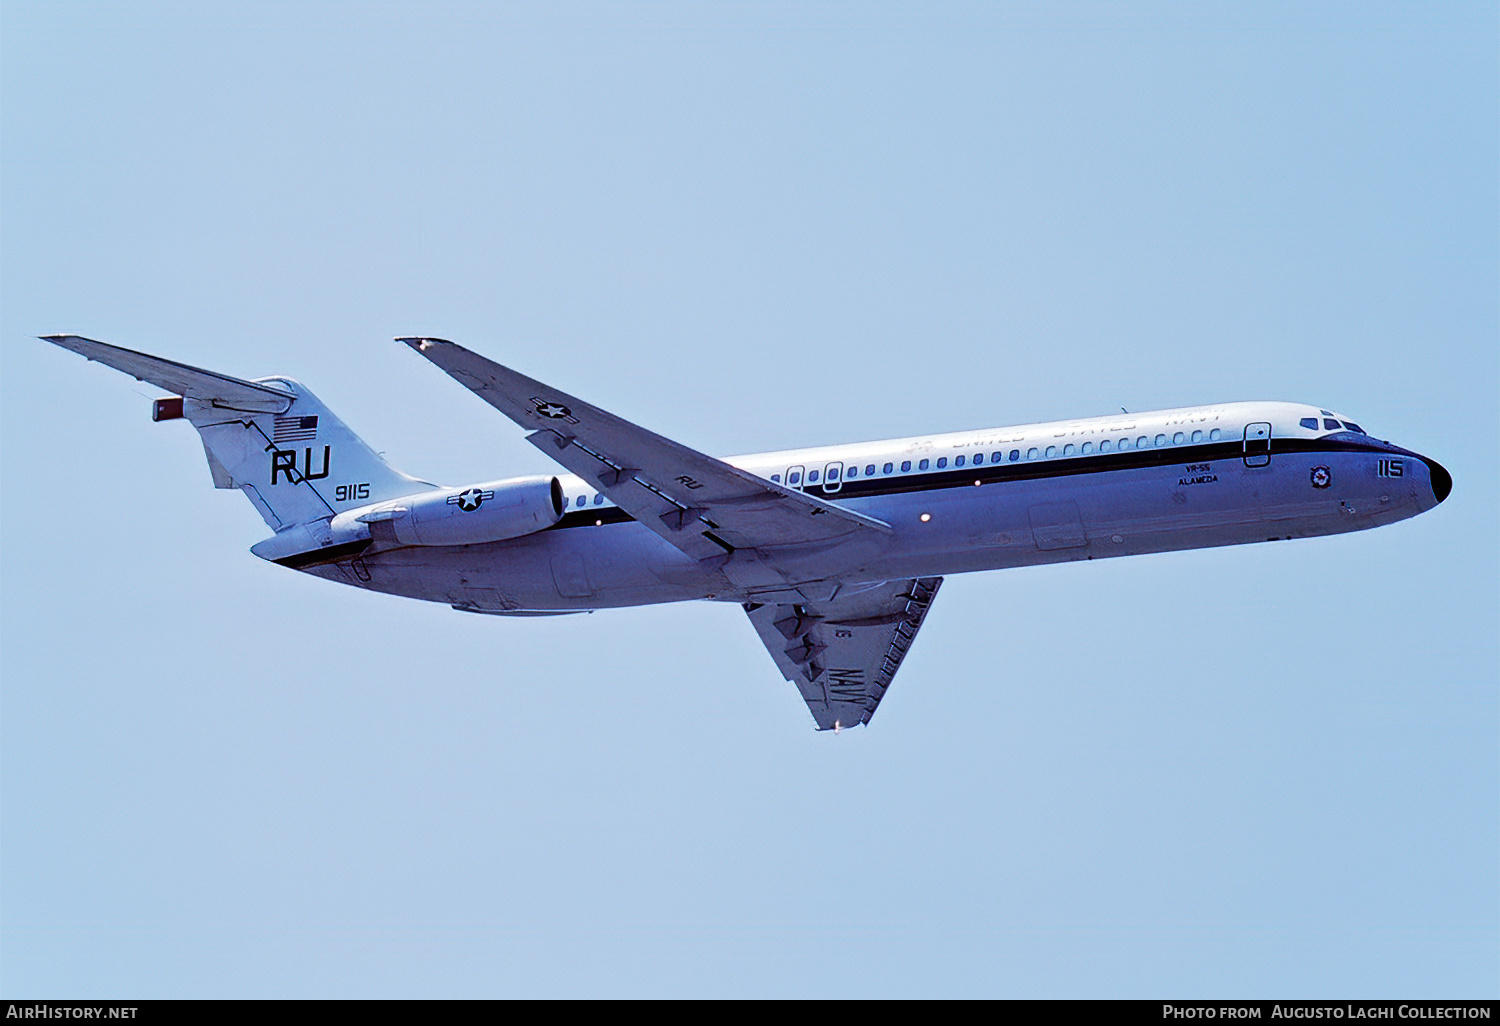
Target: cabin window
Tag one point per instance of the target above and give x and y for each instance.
(794, 478)
(1142, 442)
(1015, 454)
(1124, 444)
(1051, 451)
(1031, 453)
(1179, 438)
(853, 472)
(1104, 445)
(870, 470)
(812, 475)
(1311, 423)
(833, 473)
(1197, 436)
(1329, 424)
(1068, 449)
(1161, 440)
(776, 478)
(996, 457)
(1215, 435)
(905, 466)
(599, 499)
(922, 465)
(886, 469)
(942, 462)
(1088, 447)
(958, 461)
(581, 500)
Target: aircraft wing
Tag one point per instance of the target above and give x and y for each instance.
(206, 386)
(762, 535)
(843, 653)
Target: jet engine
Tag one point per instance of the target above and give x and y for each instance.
(487, 512)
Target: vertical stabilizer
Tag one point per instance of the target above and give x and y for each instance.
(296, 466)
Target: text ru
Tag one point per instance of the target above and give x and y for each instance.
(284, 461)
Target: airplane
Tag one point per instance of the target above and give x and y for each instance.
(835, 552)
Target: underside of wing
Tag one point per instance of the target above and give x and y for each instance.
(762, 536)
(206, 386)
(843, 653)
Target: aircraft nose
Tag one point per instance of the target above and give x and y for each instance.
(1442, 481)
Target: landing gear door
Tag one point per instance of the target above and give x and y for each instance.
(1257, 445)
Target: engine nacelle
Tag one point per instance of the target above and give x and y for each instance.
(488, 512)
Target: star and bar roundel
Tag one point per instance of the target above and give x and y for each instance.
(553, 410)
(470, 499)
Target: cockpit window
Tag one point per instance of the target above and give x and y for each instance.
(1354, 427)
(1311, 423)
(1329, 424)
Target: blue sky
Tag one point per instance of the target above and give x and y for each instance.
(1266, 771)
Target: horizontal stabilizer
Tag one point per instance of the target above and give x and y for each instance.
(297, 463)
(206, 386)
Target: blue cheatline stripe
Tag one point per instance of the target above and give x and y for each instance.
(1035, 470)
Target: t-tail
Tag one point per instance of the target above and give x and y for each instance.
(297, 463)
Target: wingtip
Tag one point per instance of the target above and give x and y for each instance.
(74, 343)
(422, 342)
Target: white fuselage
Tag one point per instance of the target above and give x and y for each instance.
(1120, 485)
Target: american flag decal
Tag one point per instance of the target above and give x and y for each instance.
(294, 429)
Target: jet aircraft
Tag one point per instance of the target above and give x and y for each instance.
(835, 552)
